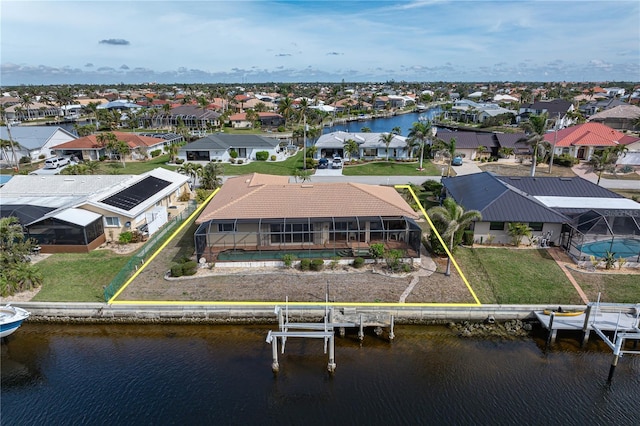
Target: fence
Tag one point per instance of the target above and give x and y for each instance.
(154, 242)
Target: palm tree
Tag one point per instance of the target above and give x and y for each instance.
(351, 148)
(286, 109)
(92, 167)
(396, 131)
(26, 99)
(535, 128)
(450, 148)
(386, 139)
(211, 176)
(453, 220)
(420, 133)
(603, 160)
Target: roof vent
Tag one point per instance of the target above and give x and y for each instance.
(566, 179)
(306, 186)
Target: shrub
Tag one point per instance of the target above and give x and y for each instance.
(310, 163)
(41, 156)
(103, 157)
(626, 169)
(281, 129)
(176, 270)
(358, 262)
(406, 267)
(432, 186)
(392, 259)
(125, 237)
(201, 195)
(25, 160)
(334, 262)
(185, 196)
(233, 153)
(240, 161)
(190, 267)
(305, 264)
(179, 161)
(232, 160)
(273, 158)
(317, 264)
(467, 238)
(155, 153)
(376, 250)
(288, 259)
(262, 155)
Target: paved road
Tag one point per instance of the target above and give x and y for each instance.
(467, 168)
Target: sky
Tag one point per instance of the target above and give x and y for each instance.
(243, 41)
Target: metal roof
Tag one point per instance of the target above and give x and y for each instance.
(77, 216)
(225, 141)
(558, 186)
(32, 137)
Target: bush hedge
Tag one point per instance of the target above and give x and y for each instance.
(305, 264)
(262, 155)
(317, 265)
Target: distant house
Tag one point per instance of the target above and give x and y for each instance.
(583, 140)
(191, 116)
(33, 141)
(622, 117)
(370, 145)
(218, 147)
(567, 212)
(555, 109)
(89, 148)
(474, 145)
(74, 214)
(34, 110)
(268, 120)
(267, 216)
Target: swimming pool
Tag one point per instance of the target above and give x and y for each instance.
(622, 247)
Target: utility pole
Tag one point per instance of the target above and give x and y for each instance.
(13, 149)
(304, 141)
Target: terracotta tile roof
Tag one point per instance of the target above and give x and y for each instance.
(592, 134)
(260, 196)
(91, 141)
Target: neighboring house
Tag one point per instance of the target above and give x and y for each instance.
(218, 147)
(622, 117)
(370, 145)
(34, 110)
(120, 105)
(468, 110)
(191, 116)
(74, 214)
(594, 106)
(267, 120)
(33, 141)
(583, 140)
(88, 147)
(468, 144)
(564, 211)
(267, 214)
(555, 109)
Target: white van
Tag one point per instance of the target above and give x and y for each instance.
(55, 162)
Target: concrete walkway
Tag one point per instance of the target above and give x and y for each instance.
(427, 268)
(582, 170)
(555, 253)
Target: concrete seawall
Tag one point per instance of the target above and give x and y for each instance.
(238, 314)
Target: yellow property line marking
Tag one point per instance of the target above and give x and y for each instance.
(112, 301)
(193, 215)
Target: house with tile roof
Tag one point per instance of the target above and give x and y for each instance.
(370, 145)
(564, 211)
(266, 217)
(89, 148)
(76, 214)
(583, 140)
(33, 141)
(621, 117)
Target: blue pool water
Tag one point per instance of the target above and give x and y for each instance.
(623, 247)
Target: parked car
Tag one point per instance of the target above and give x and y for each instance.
(457, 161)
(323, 163)
(55, 162)
(337, 163)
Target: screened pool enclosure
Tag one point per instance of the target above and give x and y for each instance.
(270, 239)
(595, 233)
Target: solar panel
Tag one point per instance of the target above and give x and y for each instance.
(129, 198)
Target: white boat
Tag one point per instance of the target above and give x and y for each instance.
(10, 319)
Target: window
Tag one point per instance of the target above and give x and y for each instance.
(496, 226)
(291, 233)
(536, 226)
(226, 227)
(112, 221)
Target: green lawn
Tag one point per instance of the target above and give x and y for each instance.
(135, 167)
(512, 276)
(78, 277)
(613, 288)
(281, 168)
(391, 168)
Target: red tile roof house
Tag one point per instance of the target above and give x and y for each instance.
(583, 140)
(88, 147)
(258, 218)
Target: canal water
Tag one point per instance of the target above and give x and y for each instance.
(382, 125)
(170, 374)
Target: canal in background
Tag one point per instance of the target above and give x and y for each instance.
(383, 125)
(164, 374)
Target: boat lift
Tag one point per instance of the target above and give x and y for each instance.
(322, 330)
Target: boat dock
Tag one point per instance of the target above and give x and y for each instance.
(614, 323)
(342, 319)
